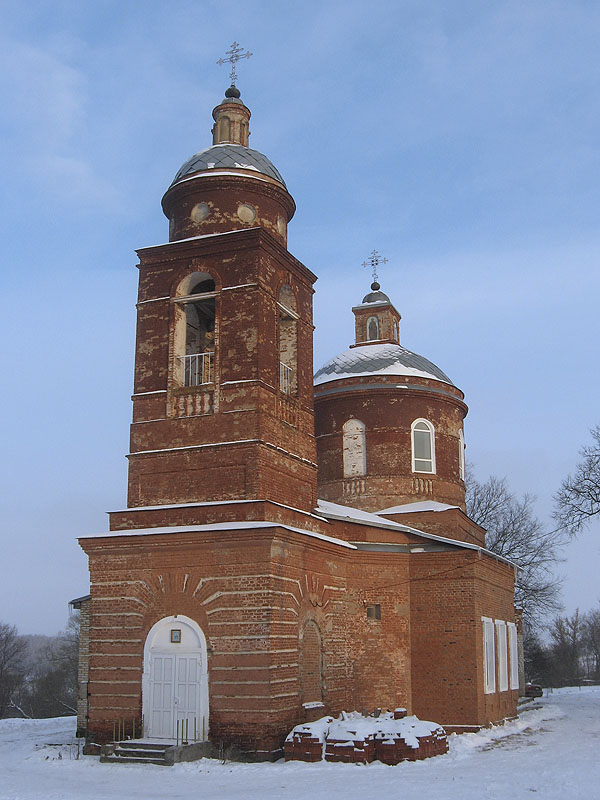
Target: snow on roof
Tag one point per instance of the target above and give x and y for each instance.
(218, 526)
(337, 511)
(378, 359)
(200, 236)
(409, 508)
(345, 513)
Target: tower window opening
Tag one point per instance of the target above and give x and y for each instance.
(461, 456)
(354, 448)
(224, 129)
(372, 329)
(195, 331)
(288, 341)
(423, 446)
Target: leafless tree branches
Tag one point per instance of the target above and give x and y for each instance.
(513, 531)
(578, 499)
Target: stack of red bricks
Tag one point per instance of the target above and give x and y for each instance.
(358, 739)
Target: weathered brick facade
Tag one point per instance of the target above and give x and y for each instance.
(226, 596)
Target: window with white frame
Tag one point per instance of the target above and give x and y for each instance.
(489, 656)
(502, 651)
(354, 448)
(513, 649)
(423, 446)
(461, 456)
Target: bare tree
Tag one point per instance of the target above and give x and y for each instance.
(567, 648)
(591, 641)
(578, 499)
(12, 649)
(513, 531)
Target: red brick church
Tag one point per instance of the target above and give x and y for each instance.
(292, 546)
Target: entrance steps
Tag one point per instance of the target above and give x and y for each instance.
(144, 751)
(135, 752)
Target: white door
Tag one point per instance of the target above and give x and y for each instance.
(175, 681)
(163, 673)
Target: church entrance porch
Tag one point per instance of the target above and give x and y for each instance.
(175, 681)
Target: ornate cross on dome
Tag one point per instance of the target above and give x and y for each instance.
(374, 261)
(235, 54)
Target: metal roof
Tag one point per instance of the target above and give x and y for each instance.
(228, 156)
(378, 359)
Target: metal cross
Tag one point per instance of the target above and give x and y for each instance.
(235, 54)
(374, 261)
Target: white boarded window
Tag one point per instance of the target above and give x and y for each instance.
(513, 648)
(502, 655)
(354, 448)
(489, 656)
(461, 456)
(423, 446)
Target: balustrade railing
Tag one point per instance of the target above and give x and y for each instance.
(198, 368)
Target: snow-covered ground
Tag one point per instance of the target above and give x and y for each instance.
(553, 751)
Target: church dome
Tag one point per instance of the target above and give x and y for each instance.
(228, 156)
(378, 359)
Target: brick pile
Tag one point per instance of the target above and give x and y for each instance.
(357, 739)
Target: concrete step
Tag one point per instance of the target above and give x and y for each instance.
(117, 759)
(136, 752)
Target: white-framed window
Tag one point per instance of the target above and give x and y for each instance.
(489, 656)
(502, 650)
(513, 649)
(372, 329)
(461, 455)
(423, 446)
(354, 448)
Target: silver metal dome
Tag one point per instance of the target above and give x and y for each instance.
(378, 359)
(228, 156)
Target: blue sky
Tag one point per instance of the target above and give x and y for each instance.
(459, 139)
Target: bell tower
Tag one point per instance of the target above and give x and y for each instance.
(223, 394)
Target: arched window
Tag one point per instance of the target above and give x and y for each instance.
(354, 448)
(461, 456)
(423, 446)
(224, 129)
(195, 330)
(396, 335)
(288, 341)
(310, 663)
(372, 329)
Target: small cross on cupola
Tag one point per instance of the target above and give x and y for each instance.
(376, 319)
(231, 116)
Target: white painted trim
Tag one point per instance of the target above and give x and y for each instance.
(143, 394)
(154, 300)
(239, 286)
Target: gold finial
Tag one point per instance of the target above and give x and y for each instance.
(235, 54)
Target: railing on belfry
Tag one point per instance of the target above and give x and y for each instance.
(286, 378)
(198, 368)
